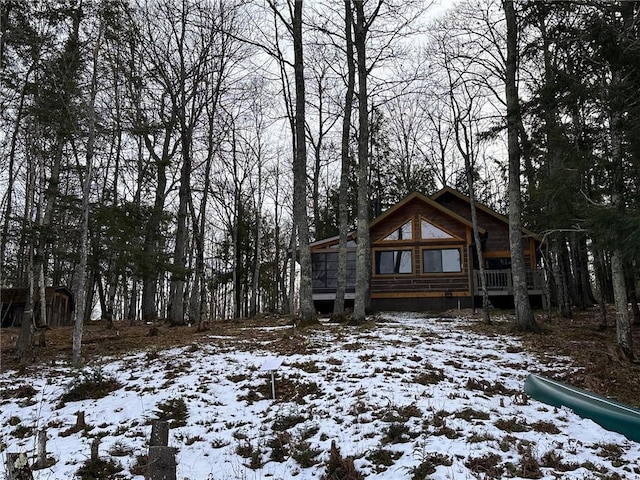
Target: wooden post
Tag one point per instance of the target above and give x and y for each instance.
(162, 463)
(80, 422)
(94, 449)
(18, 467)
(41, 459)
(161, 458)
(159, 433)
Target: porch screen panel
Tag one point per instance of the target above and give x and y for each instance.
(351, 269)
(325, 270)
(319, 269)
(332, 270)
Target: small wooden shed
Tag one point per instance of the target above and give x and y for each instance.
(59, 300)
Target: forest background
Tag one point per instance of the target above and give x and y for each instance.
(163, 158)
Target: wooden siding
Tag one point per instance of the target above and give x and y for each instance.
(498, 231)
(59, 306)
(399, 285)
(449, 212)
(497, 242)
(419, 283)
(412, 211)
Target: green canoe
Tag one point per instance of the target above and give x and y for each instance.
(608, 413)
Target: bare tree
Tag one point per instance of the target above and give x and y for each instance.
(81, 274)
(466, 143)
(223, 23)
(307, 310)
(363, 253)
(193, 44)
(155, 120)
(324, 116)
(345, 159)
(524, 315)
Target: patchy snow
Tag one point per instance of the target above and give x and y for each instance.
(423, 391)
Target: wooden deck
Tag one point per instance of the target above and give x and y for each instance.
(499, 282)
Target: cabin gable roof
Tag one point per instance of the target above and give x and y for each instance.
(418, 197)
(443, 192)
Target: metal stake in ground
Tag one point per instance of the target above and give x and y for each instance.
(271, 365)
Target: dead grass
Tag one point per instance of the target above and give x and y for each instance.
(599, 368)
(99, 340)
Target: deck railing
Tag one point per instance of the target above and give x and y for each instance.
(500, 282)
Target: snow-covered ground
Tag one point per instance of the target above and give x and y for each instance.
(409, 398)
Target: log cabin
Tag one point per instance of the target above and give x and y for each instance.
(423, 257)
(59, 306)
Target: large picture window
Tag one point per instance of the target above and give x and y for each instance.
(389, 262)
(444, 260)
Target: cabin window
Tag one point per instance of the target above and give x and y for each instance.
(428, 231)
(389, 262)
(443, 260)
(404, 232)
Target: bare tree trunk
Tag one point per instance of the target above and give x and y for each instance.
(363, 254)
(8, 210)
(282, 299)
(152, 247)
(198, 294)
(579, 293)
(486, 304)
(464, 142)
(307, 311)
(563, 297)
(81, 275)
(599, 267)
(111, 298)
(345, 154)
(255, 282)
(292, 273)
(195, 305)
(235, 241)
(24, 342)
(524, 315)
(153, 240)
(623, 324)
(178, 277)
(42, 295)
(132, 308)
(632, 295)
